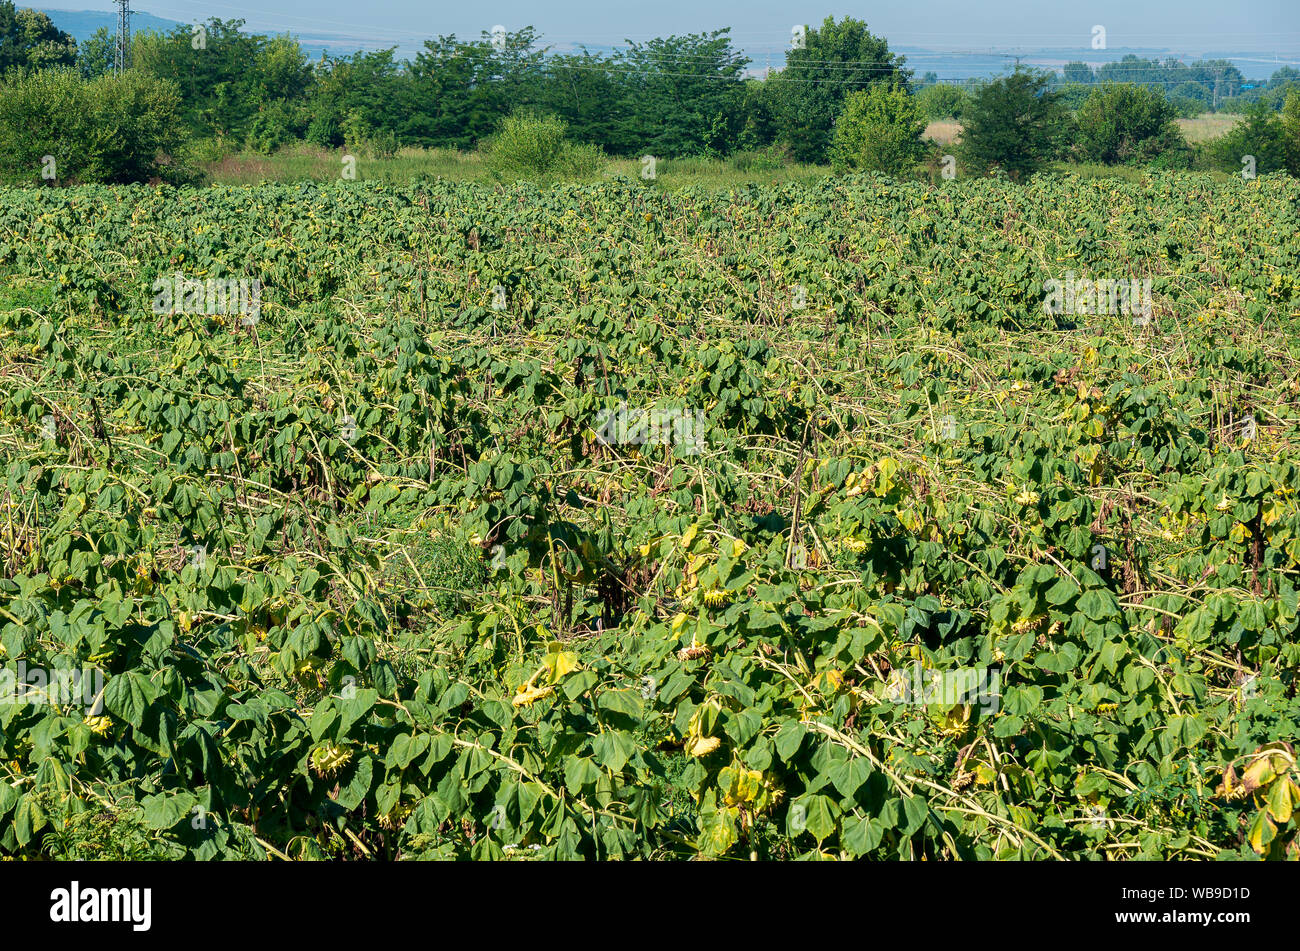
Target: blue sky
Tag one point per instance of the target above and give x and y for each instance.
(1192, 26)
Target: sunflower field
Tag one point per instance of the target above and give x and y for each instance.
(881, 558)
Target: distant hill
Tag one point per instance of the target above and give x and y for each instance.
(81, 24)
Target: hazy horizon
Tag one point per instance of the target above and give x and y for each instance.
(1189, 27)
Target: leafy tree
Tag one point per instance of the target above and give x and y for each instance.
(1078, 72)
(30, 40)
(1284, 76)
(879, 130)
(459, 91)
(1012, 124)
(684, 94)
(360, 97)
(282, 72)
(808, 94)
(273, 126)
(759, 128)
(1220, 76)
(227, 79)
(1122, 122)
(1213, 82)
(593, 97)
(114, 129)
(1072, 96)
(942, 101)
(1190, 99)
(457, 107)
(98, 54)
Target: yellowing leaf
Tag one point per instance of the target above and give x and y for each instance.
(559, 663)
(1262, 832)
(717, 832)
(689, 536)
(1259, 774)
(1279, 802)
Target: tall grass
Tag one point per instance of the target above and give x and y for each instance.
(307, 163)
(303, 162)
(1206, 127)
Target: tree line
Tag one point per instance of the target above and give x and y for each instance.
(842, 98)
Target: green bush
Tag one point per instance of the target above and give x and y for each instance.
(1291, 131)
(382, 144)
(360, 136)
(115, 129)
(268, 132)
(117, 833)
(1013, 124)
(528, 146)
(1261, 135)
(210, 149)
(943, 101)
(325, 133)
(1123, 123)
(879, 130)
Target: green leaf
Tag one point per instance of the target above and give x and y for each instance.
(128, 696)
(1061, 592)
(166, 809)
(819, 816)
(579, 682)
(1099, 604)
(862, 836)
(8, 798)
(613, 748)
(579, 773)
(789, 738)
(357, 785)
(28, 819)
(850, 774)
(626, 702)
(717, 832)
(915, 809)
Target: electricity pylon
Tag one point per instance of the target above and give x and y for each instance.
(122, 61)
